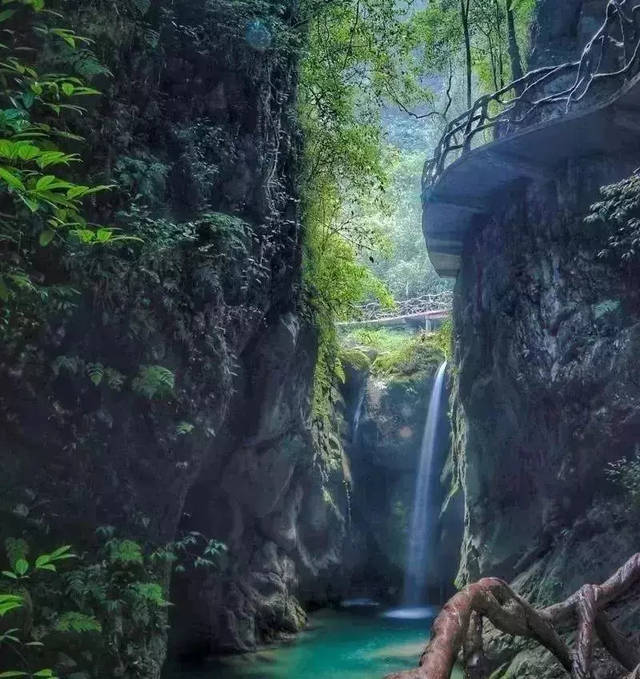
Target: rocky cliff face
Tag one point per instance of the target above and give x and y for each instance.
(384, 420)
(197, 128)
(546, 392)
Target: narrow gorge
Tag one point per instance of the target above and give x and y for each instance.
(277, 399)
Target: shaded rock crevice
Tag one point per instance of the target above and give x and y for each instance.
(545, 392)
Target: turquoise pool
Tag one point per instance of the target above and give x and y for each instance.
(338, 645)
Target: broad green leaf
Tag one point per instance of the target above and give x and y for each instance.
(42, 560)
(68, 89)
(60, 551)
(28, 152)
(103, 235)
(7, 148)
(21, 566)
(45, 238)
(32, 204)
(28, 98)
(12, 673)
(56, 158)
(9, 602)
(86, 91)
(13, 180)
(77, 191)
(45, 181)
(85, 235)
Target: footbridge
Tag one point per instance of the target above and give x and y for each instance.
(425, 311)
(524, 131)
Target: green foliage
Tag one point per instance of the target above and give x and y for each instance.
(154, 381)
(9, 602)
(184, 428)
(143, 177)
(192, 550)
(16, 548)
(124, 552)
(21, 569)
(103, 610)
(625, 473)
(40, 205)
(361, 208)
(150, 591)
(73, 621)
(24, 575)
(97, 373)
(619, 212)
(355, 359)
(353, 55)
(406, 268)
(397, 353)
(443, 338)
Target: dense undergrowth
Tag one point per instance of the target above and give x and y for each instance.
(82, 613)
(389, 353)
(367, 114)
(121, 312)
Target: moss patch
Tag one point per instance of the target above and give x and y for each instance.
(355, 359)
(397, 354)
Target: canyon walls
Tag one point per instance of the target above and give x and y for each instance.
(546, 390)
(173, 393)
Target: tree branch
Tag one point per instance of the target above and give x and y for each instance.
(458, 628)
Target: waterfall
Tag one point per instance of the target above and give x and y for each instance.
(358, 413)
(420, 537)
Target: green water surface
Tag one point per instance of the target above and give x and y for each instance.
(337, 645)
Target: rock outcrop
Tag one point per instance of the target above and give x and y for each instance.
(385, 417)
(546, 392)
(174, 392)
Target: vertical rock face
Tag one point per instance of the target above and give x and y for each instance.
(197, 127)
(546, 393)
(385, 416)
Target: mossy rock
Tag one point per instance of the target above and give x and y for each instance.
(355, 359)
(418, 356)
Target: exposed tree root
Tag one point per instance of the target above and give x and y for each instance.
(457, 631)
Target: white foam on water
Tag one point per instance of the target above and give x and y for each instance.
(412, 613)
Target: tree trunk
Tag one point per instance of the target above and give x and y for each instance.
(514, 50)
(464, 16)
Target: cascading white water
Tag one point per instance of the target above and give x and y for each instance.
(358, 414)
(420, 535)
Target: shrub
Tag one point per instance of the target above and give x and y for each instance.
(626, 474)
(399, 353)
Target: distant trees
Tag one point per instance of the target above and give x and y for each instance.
(361, 58)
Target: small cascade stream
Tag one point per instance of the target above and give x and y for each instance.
(358, 413)
(421, 533)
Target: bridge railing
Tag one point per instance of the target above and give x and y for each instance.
(441, 301)
(609, 60)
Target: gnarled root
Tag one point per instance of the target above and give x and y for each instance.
(459, 627)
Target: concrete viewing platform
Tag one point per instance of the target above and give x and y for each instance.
(429, 320)
(462, 184)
